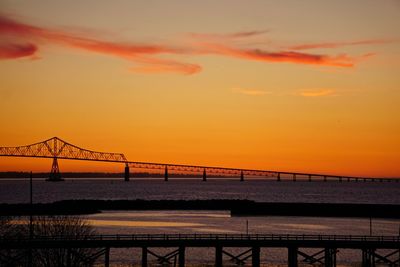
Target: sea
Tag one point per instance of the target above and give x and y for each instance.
(217, 222)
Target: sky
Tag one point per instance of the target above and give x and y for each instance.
(307, 86)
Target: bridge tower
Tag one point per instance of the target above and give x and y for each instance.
(126, 173)
(55, 175)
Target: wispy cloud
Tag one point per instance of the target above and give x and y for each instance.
(225, 36)
(249, 91)
(21, 40)
(340, 44)
(142, 55)
(342, 60)
(317, 92)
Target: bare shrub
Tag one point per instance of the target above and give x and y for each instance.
(65, 227)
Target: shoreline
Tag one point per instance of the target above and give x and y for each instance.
(236, 207)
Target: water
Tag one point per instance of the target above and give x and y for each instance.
(220, 222)
(131, 222)
(17, 191)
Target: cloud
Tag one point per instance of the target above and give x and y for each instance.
(224, 36)
(340, 44)
(23, 40)
(317, 92)
(280, 56)
(252, 92)
(14, 51)
(143, 55)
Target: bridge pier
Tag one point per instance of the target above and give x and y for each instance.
(166, 174)
(294, 177)
(309, 177)
(55, 175)
(126, 177)
(325, 178)
(292, 256)
(241, 176)
(278, 178)
(204, 175)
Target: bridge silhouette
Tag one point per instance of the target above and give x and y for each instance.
(56, 148)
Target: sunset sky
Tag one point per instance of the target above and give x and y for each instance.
(307, 86)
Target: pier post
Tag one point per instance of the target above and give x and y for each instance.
(144, 256)
(68, 257)
(218, 256)
(181, 262)
(294, 177)
(278, 178)
(292, 256)
(255, 256)
(126, 173)
(107, 257)
(204, 175)
(368, 258)
(309, 177)
(340, 179)
(241, 176)
(330, 257)
(166, 174)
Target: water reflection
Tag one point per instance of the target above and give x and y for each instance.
(122, 223)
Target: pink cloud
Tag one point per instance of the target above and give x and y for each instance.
(14, 51)
(22, 40)
(140, 54)
(340, 44)
(280, 56)
(221, 36)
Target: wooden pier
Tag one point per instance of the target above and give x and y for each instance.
(328, 245)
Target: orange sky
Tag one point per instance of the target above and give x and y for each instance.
(248, 84)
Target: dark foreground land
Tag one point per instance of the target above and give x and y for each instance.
(237, 208)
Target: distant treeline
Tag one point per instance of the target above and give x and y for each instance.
(236, 207)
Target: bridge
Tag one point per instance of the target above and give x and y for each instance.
(56, 148)
(383, 250)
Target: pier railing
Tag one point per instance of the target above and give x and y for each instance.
(210, 237)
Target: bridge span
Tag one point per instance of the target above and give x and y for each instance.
(56, 148)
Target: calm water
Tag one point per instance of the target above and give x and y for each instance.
(17, 191)
(130, 222)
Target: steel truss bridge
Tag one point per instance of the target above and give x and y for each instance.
(56, 148)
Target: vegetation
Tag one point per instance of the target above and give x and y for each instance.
(53, 226)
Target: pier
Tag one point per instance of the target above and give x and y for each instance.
(328, 246)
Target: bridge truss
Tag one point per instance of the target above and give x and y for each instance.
(57, 148)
